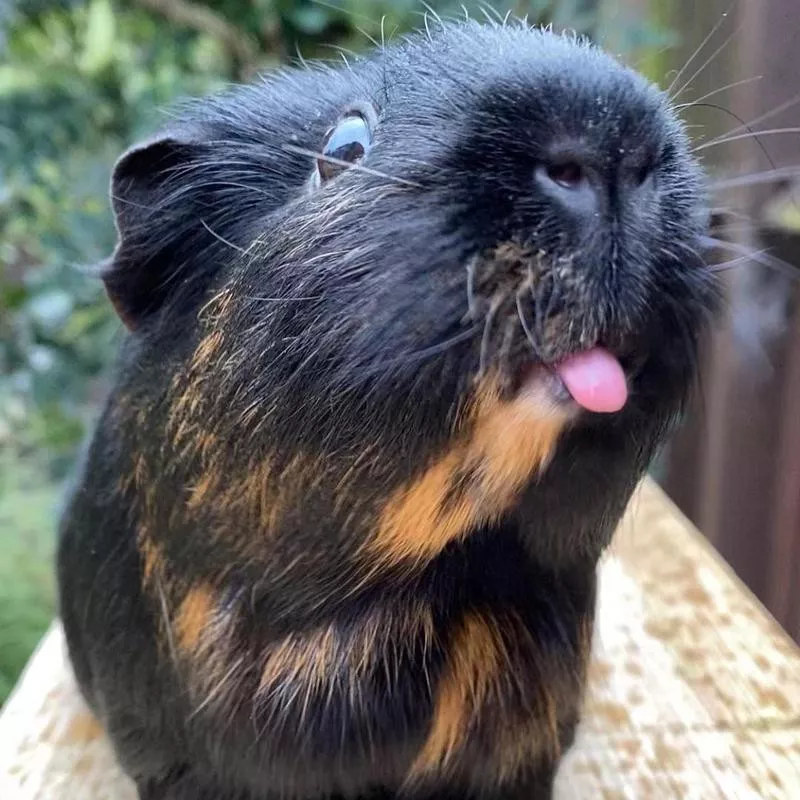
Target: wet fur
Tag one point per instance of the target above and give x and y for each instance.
(318, 547)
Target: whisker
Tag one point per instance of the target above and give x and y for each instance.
(521, 314)
(162, 601)
(744, 126)
(422, 355)
(302, 151)
(764, 259)
(690, 348)
(785, 106)
(257, 299)
(487, 333)
(213, 693)
(720, 90)
(299, 56)
(223, 239)
(709, 60)
(736, 262)
(782, 173)
(506, 348)
(741, 136)
(699, 49)
(442, 346)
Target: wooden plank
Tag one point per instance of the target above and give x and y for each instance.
(694, 690)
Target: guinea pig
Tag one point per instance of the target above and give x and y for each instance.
(403, 337)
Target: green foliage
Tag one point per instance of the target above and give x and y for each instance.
(78, 82)
(76, 85)
(26, 582)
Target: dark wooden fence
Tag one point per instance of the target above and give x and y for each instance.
(734, 468)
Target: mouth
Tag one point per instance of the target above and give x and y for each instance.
(593, 379)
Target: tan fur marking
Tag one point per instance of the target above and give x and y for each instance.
(411, 527)
(193, 618)
(301, 665)
(217, 308)
(514, 440)
(140, 473)
(480, 669)
(151, 557)
(200, 492)
(303, 659)
(509, 443)
(475, 665)
(206, 350)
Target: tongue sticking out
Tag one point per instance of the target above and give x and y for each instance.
(595, 380)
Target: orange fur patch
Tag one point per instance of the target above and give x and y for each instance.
(194, 617)
(201, 491)
(186, 390)
(152, 561)
(510, 441)
(475, 666)
(480, 676)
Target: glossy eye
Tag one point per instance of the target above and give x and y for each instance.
(345, 144)
(569, 175)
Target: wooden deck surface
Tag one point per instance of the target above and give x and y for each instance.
(695, 691)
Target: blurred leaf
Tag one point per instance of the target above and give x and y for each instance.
(98, 49)
(310, 20)
(51, 309)
(27, 592)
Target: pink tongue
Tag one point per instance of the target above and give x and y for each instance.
(595, 380)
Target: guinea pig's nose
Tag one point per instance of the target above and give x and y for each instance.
(575, 184)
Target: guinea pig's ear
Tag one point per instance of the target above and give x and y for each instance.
(154, 223)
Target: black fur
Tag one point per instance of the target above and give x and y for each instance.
(300, 354)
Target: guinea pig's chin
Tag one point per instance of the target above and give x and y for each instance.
(542, 385)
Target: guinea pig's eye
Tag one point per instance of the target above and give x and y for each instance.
(344, 144)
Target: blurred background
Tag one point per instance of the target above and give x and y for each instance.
(79, 81)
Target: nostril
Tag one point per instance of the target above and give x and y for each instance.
(572, 183)
(640, 175)
(568, 175)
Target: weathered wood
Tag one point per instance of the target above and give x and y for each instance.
(695, 690)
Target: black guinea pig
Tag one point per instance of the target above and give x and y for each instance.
(404, 336)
